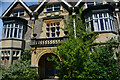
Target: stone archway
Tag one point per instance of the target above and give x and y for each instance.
(46, 69)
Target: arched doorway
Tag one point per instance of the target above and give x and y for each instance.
(47, 68)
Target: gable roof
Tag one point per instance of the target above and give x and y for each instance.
(11, 6)
(42, 3)
(78, 3)
(33, 7)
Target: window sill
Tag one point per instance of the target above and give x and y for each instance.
(53, 11)
(114, 32)
(12, 39)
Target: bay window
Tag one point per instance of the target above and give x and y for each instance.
(12, 30)
(101, 22)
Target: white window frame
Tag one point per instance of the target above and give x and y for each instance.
(50, 31)
(110, 22)
(12, 26)
(95, 2)
(53, 7)
(18, 13)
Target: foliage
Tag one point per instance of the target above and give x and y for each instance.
(26, 55)
(77, 62)
(74, 51)
(103, 62)
(20, 70)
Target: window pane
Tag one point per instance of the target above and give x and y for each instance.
(20, 26)
(53, 29)
(89, 4)
(13, 53)
(8, 53)
(51, 24)
(96, 25)
(5, 53)
(56, 9)
(105, 14)
(11, 32)
(19, 33)
(2, 53)
(53, 34)
(101, 24)
(48, 25)
(58, 34)
(58, 24)
(17, 53)
(5, 26)
(15, 14)
(48, 35)
(111, 25)
(48, 29)
(49, 8)
(15, 32)
(16, 25)
(95, 15)
(21, 13)
(106, 24)
(100, 15)
(8, 32)
(58, 28)
(4, 32)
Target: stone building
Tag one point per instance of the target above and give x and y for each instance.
(38, 27)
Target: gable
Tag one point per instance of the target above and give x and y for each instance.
(15, 5)
(51, 1)
(18, 6)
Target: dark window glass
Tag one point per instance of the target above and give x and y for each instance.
(20, 26)
(48, 29)
(58, 34)
(19, 33)
(48, 25)
(15, 33)
(53, 29)
(51, 24)
(58, 24)
(21, 13)
(11, 32)
(100, 15)
(13, 53)
(16, 25)
(48, 35)
(101, 24)
(89, 4)
(8, 33)
(17, 53)
(97, 24)
(4, 34)
(106, 23)
(53, 34)
(58, 28)
(111, 24)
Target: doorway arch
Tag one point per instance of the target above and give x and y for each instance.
(47, 69)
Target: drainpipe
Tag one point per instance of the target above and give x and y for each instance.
(74, 15)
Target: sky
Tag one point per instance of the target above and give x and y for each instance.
(4, 4)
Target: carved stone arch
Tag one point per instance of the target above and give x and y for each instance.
(43, 53)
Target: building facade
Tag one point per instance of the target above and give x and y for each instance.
(38, 27)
